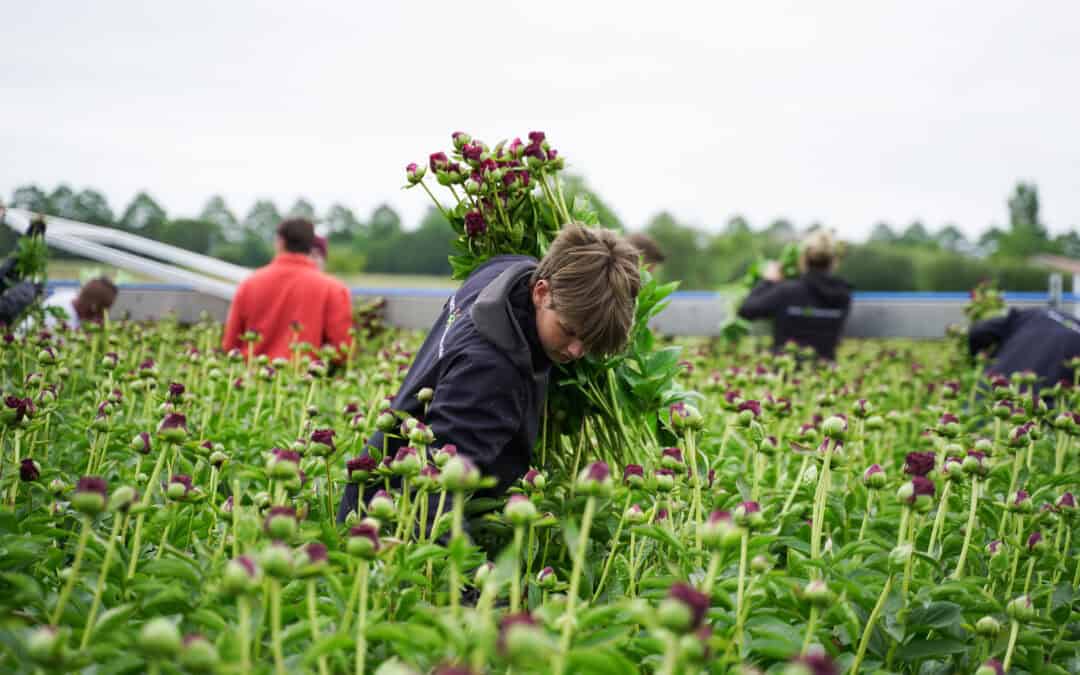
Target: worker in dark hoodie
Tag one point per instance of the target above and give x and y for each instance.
(490, 352)
(1040, 339)
(809, 310)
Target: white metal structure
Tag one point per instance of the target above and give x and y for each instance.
(199, 272)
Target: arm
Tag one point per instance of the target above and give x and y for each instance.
(235, 325)
(15, 300)
(338, 318)
(985, 334)
(763, 302)
(478, 406)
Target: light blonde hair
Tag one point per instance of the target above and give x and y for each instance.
(594, 280)
(818, 251)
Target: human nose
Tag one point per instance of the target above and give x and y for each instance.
(576, 349)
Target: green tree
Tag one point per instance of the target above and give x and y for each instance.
(252, 250)
(950, 238)
(92, 207)
(144, 216)
(302, 208)
(343, 224)
(780, 230)
(31, 198)
(1027, 235)
(199, 236)
(385, 223)
(218, 212)
(262, 219)
(682, 248)
(916, 235)
(883, 233)
(62, 202)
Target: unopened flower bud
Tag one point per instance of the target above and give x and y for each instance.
(1021, 609)
(241, 576)
(159, 639)
(899, 557)
(835, 428)
(90, 495)
(683, 610)
(874, 477)
(199, 654)
(988, 627)
(817, 593)
(519, 510)
(44, 644)
(595, 480)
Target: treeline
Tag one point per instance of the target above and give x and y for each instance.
(911, 258)
(893, 259)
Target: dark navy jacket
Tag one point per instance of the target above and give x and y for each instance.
(484, 361)
(1038, 339)
(810, 310)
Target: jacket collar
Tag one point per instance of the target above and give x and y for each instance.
(494, 318)
(288, 258)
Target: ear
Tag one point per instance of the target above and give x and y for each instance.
(541, 290)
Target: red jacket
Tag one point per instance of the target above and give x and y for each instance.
(290, 288)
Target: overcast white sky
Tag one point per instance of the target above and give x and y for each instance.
(845, 113)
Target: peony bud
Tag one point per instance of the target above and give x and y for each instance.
(277, 560)
(29, 470)
(360, 468)
(283, 465)
(634, 476)
(173, 428)
(199, 654)
(1020, 609)
(988, 627)
(546, 579)
(90, 495)
(159, 639)
(178, 488)
(363, 541)
(534, 481)
(817, 593)
(595, 480)
(44, 645)
(991, 667)
(382, 506)
(280, 523)
(720, 531)
(748, 515)
(874, 477)
(835, 428)
(899, 557)
(683, 610)
(459, 474)
(519, 510)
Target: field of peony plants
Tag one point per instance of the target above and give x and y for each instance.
(168, 508)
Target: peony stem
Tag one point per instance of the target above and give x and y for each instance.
(106, 562)
(959, 571)
(864, 641)
(575, 581)
(73, 576)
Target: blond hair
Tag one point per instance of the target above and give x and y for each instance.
(818, 251)
(594, 281)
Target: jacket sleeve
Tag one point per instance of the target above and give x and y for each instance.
(990, 332)
(764, 301)
(338, 317)
(478, 406)
(15, 300)
(235, 325)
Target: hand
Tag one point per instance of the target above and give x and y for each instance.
(773, 271)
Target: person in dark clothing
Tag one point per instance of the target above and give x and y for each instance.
(1041, 340)
(489, 354)
(17, 294)
(810, 310)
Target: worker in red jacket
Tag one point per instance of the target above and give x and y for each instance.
(290, 292)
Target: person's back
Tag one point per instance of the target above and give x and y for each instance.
(1040, 340)
(289, 300)
(810, 310)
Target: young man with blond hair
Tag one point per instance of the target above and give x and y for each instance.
(489, 355)
(810, 310)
